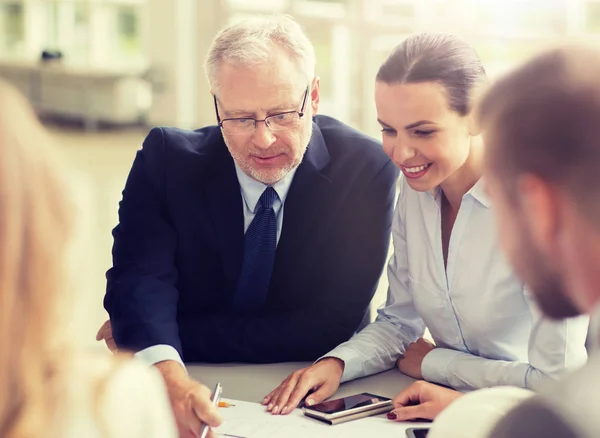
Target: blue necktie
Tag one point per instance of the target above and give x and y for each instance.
(260, 243)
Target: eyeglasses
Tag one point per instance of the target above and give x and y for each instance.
(275, 122)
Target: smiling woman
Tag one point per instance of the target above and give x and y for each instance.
(446, 272)
(423, 96)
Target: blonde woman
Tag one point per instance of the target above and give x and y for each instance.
(46, 388)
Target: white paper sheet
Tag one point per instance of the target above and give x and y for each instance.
(250, 420)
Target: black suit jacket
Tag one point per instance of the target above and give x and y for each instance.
(178, 248)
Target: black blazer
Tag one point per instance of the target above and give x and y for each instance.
(178, 248)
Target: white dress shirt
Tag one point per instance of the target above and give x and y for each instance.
(251, 192)
(488, 330)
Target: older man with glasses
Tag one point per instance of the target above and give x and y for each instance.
(258, 240)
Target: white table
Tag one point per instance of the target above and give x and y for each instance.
(252, 382)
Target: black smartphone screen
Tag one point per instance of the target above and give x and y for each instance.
(346, 403)
(417, 433)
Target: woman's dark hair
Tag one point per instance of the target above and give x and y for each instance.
(442, 58)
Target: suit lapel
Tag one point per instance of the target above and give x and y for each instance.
(304, 203)
(225, 206)
(303, 206)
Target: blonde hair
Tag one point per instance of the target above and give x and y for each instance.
(35, 222)
(251, 41)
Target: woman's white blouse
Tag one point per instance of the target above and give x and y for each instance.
(487, 327)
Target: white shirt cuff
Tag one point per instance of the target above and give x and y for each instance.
(434, 367)
(351, 359)
(159, 353)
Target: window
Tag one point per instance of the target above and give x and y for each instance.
(258, 5)
(351, 37)
(12, 29)
(66, 26)
(592, 17)
(498, 54)
(376, 53)
(388, 11)
(127, 45)
(319, 9)
(128, 35)
(89, 33)
(320, 36)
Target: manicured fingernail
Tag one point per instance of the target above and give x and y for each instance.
(284, 410)
(270, 407)
(265, 401)
(310, 402)
(276, 410)
(392, 416)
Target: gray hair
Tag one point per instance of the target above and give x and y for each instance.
(251, 41)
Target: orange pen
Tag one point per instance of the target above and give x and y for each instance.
(223, 404)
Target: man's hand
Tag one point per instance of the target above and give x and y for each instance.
(190, 401)
(323, 378)
(422, 400)
(105, 333)
(410, 363)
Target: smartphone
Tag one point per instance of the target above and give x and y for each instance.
(349, 408)
(417, 432)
